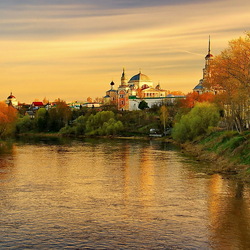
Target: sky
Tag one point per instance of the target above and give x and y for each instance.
(74, 49)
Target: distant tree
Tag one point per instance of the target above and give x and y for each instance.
(143, 105)
(89, 99)
(45, 101)
(8, 118)
(59, 115)
(99, 99)
(177, 92)
(230, 74)
(42, 119)
(24, 124)
(194, 97)
(103, 123)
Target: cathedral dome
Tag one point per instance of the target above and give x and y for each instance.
(140, 80)
(140, 77)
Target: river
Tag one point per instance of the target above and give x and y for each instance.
(117, 194)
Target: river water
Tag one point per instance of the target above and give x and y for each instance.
(117, 194)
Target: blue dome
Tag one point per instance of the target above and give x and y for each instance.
(198, 87)
(140, 77)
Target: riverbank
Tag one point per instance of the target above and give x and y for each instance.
(227, 152)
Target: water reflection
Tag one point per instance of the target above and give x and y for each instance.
(7, 151)
(113, 194)
(229, 213)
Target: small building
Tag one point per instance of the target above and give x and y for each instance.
(12, 101)
(134, 101)
(91, 105)
(37, 105)
(111, 96)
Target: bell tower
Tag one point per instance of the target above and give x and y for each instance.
(124, 81)
(208, 59)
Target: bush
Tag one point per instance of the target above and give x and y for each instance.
(24, 124)
(103, 123)
(197, 122)
(67, 130)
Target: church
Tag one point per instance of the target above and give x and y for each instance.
(12, 101)
(201, 88)
(131, 92)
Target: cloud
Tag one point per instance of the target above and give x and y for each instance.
(97, 4)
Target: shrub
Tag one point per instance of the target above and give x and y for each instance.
(196, 122)
(24, 124)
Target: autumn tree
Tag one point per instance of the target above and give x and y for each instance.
(194, 97)
(230, 76)
(176, 92)
(89, 99)
(8, 117)
(45, 101)
(164, 115)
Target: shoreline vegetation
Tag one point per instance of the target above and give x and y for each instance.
(227, 152)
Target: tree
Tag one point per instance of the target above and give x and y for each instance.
(24, 124)
(177, 92)
(103, 123)
(45, 101)
(230, 76)
(59, 115)
(196, 122)
(89, 99)
(194, 97)
(42, 119)
(8, 117)
(164, 114)
(143, 105)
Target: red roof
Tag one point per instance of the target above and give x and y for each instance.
(38, 104)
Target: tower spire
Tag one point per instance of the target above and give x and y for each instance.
(209, 45)
(123, 78)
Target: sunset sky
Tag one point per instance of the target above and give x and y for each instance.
(74, 49)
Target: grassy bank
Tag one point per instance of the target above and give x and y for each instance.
(228, 151)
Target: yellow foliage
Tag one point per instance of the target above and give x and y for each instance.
(8, 117)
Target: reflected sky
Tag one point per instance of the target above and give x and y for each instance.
(117, 194)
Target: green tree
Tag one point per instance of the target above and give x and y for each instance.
(103, 123)
(24, 124)
(143, 105)
(59, 116)
(42, 119)
(196, 122)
